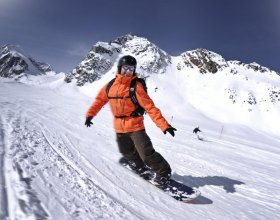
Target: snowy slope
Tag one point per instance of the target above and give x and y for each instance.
(53, 167)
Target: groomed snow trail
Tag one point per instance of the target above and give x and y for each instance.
(44, 178)
(53, 167)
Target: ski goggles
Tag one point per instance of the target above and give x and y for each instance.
(130, 68)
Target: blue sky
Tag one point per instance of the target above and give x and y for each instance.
(61, 32)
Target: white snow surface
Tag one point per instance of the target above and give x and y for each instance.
(54, 167)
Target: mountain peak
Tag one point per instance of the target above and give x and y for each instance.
(13, 49)
(125, 38)
(204, 60)
(14, 63)
(102, 57)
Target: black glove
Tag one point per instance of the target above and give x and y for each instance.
(170, 130)
(88, 122)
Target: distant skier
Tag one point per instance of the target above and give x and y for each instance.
(196, 131)
(133, 142)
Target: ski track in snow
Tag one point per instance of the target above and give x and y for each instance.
(3, 193)
(49, 172)
(56, 167)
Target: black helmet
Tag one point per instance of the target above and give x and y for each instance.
(126, 60)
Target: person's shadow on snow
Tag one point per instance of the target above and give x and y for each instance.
(227, 184)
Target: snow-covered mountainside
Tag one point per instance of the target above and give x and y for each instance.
(14, 63)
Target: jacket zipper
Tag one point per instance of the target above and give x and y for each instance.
(116, 108)
(117, 105)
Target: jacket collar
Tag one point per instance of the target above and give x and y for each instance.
(124, 79)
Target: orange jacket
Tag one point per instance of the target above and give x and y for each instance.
(124, 106)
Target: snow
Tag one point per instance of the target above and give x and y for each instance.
(54, 167)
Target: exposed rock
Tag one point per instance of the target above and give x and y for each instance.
(204, 60)
(97, 62)
(15, 63)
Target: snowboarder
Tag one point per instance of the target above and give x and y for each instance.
(133, 142)
(196, 131)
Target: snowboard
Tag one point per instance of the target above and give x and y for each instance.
(173, 188)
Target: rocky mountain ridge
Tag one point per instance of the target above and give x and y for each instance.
(15, 63)
(252, 87)
(103, 56)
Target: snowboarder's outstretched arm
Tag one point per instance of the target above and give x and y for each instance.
(100, 100)
(155, 114)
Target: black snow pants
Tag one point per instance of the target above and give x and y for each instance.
(137, 147)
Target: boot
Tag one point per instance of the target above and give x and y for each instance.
(143, 171)
(162, 180)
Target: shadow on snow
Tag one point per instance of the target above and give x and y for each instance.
(225, 182)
